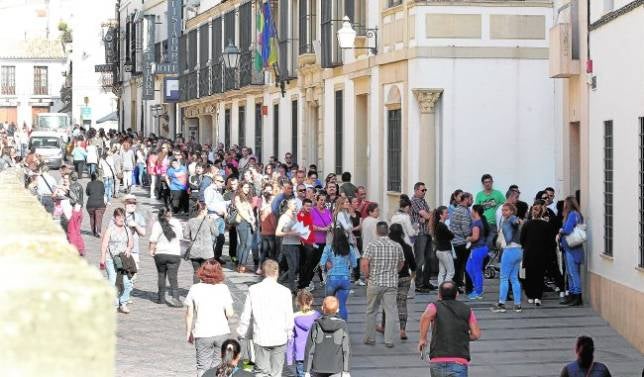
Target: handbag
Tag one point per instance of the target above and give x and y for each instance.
(500, 240)
(118, 259)
(578, 235)
(231, 215)
(186, 255)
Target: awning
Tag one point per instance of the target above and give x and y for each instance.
(111, 117)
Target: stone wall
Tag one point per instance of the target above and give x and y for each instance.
(56, 313)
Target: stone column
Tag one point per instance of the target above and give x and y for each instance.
(428, 159)
(57, 315)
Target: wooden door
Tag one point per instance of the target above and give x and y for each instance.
(9, 114)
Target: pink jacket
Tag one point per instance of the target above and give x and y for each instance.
(74, 231)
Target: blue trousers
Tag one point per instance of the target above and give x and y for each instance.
(510, 265)
(339, 287)
(447, 370)
(572, 269)
(474, 268)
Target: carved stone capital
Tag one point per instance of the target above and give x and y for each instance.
(427, 98)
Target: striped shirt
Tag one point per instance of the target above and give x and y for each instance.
(417, 205)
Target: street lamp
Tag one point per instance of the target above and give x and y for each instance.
(231, 55)
(347, 36)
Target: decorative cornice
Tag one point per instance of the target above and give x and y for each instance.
(610, 16)
(427, 98)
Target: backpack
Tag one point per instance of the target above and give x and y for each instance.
(328, 356)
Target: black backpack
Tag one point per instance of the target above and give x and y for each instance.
(328, 356)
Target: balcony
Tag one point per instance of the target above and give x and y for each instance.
(562, 64)
(216, 78)
(247, 73)
(204, 82)
(188, 86)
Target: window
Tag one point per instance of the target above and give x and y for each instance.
(216, 81)
(394, 146)
(8, 80)
(331, 22)
(393, 3)
(641, 263)
(276, 130)
(338, 131)
(40, 80)
(227, 129)
(204, 79)
(245, 39)
(294, 129)
(230, 80)
(242, 126)
(608, 187)
(287, 39)
(308, 26)
(258, 131)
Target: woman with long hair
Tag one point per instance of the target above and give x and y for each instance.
(510, 259)
(356, 221)
(117, 240)
(230, 358)
(536, 240)
(396, 234)
(245, 223)
(209, 306)
(479, 250)
(290, 242)
(322, 227)
(339, 259)
(574, 255)
(403, 218)
(202, 233)
(342, 218)
(454, 199)
(443, 238)
(585, 365)
(230, 191)
(165, 247)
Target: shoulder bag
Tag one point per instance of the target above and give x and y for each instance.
(186, 255)
(578, 235)
(118, 259)
(231, 215)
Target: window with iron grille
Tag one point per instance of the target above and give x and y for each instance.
(608, 187)
(230, 79)
(258, 131)
(331, 22)
(288, 39)
(204, 55)
(307, 25)
(641, 262)
(8, 77)
(245, 39)
(216, 82)
(276, 130)
(242, 125)
(339, 132)
(40, 80)
(227, 129)
(394, 146)
(294, 129)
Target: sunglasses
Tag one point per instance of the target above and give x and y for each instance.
(424, 190)
(301, 190)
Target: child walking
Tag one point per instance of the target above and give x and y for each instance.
(304, 319)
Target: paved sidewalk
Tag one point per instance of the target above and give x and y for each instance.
(537, 342)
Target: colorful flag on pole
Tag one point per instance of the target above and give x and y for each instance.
(267, 44)
(259, 21)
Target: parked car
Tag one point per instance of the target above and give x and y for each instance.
(50, 146)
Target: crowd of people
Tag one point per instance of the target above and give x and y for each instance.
(302, 232)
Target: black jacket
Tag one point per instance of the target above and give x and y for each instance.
(443, 237)
(95, 191)
(328, 346)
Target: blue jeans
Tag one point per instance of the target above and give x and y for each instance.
(245, 241)
(91, 169)
(572, 270)
(141, 173)
(447, 370)
(124, 297)
(474, 268)
(339, 286)
(510, 265)
(109, 188)
(299, 368)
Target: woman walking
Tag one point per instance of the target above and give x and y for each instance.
(479, 250)
(245, 223)
(574, 255)
(585, 365)
(106, 166)
(209, 306)
(165, 247)
(322, 229)
(95, 205)
(79, 155)
(290, 242)
(232, 184)
(339, 259)
(536, 240)
(117, 240)
(403, 218)
(443, 238)
(202, 232)
(510, 259)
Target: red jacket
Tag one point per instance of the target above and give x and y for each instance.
(307, 220)
(73, 231)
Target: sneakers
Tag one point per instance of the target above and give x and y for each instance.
(389, 345)
(361, 283)
(517, 309)
(369, 342)
(537, 302)
(498, 308)
(473, 296)
(530, 301)
(123, 309)
(311, 286)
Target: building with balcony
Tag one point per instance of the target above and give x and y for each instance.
(444, 93)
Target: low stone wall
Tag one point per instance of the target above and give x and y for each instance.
(56, 312)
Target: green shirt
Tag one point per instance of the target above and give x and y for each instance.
(490, 203)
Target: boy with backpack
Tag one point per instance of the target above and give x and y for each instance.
(328, 345)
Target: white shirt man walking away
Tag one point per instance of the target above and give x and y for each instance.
(269, 307)
(453, 326)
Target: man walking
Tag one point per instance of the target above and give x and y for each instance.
(453, 326)
(460, 224)
(490, 199)
(269, 307)
(380, 264)
(217, 206)
(420, 217)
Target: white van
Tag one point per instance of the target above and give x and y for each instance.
(50, 146)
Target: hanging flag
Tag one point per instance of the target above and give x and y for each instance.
(259, 20)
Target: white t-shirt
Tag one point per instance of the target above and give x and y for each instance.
(210, 302)
(163, 245)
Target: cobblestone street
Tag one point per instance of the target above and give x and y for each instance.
(537, 342)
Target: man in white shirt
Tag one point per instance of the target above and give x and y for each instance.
(269, 307)
(217, 206)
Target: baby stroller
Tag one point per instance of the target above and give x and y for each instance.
(492, 266)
